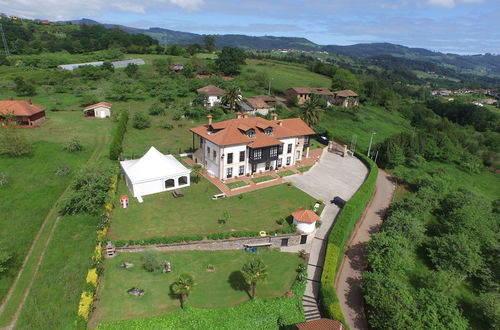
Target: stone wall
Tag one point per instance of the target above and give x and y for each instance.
(213, 245)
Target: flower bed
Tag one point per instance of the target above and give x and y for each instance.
(264, 178)
(285, 173)
(236, 184)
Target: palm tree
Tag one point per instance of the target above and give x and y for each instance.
(254, 271)
(183, 287)
(310, 112)
(231, 96)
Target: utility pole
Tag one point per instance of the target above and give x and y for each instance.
(370, 145)
(5, 46)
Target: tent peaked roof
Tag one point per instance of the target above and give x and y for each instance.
(153, 165)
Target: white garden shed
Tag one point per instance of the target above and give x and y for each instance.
(155, 172)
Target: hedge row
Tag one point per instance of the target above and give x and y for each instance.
(287, 229)
(340, 234)
(115, 147)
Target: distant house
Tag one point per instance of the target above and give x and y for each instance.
(98, 110)
(256, 106)
(23, 112)
(346, 98)
(176, 67)
(302, 94)
(442, 92)
(214, 94)
(116, 64)
(489, 101)
(154, 172)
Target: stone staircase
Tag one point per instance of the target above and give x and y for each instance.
(311, 310)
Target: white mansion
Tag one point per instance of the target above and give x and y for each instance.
(247, 145)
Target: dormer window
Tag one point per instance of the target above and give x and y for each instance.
(268, 131)
(251, 133)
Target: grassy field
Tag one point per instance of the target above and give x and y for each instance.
(163, 215)
(222, 288)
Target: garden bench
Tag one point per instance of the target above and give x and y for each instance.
(217, 196)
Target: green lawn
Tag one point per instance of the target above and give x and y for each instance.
(263, 178)
(222, 288)
(236, 184)
(196, 213)
(285, 173)
(304, 169)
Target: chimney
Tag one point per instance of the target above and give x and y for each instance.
(245, 114)
(209, 119)
(275, 116)
(280, 123)
(11, 98)
(29, 100)
(238, 115)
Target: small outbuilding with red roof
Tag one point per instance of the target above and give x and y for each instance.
(98, 110)
(22, 112)
(305, 220)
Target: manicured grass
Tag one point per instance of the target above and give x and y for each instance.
(162, 215)
(304, 169)
(285, 173)
(236, 184)
(263, 178)
(222, 288)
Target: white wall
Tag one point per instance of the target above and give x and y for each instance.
(156, 186)
(213, 100)
(286, 142)
(304, 226)
(235, 149)
(212, 165)
(102, 112)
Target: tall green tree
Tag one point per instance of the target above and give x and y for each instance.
(231, 96)
(183, 287)
(230, 60)
(209, 43)
(310, 112)
(24, 88)
(254, 271)
(345, 79)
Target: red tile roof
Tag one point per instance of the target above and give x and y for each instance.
(100, 104)
(232, 131)
(320, 324)
(19, 108)
(345, 93)
(308, 216)
(257, 103)
(211, 90)
(312, 90)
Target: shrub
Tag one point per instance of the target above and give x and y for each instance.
(166, 125)
(150, 261)
(85, 305)
(4, 179)
(74, 145)
(13, 143)
(115, 147)
(140, 120)
(156, 109)
(177, 115)
(63, 170)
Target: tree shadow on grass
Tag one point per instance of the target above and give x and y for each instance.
(238, 283)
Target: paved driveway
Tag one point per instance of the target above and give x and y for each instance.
(334, 175)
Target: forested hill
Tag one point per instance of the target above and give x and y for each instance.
(479, 64)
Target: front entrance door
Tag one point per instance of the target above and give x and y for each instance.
(254, 168)
(268, 165)
(303, 239)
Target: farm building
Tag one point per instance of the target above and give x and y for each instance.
(22, 112)
(346, 98)
(116, 64)
(213, 93)
(154, 172)
(98, 110)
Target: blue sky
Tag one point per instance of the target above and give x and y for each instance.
(456, 26)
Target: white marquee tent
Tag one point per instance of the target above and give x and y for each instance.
(155, 172)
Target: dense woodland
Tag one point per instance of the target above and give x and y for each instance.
(435, 261)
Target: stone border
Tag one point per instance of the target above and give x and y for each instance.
(267, 181)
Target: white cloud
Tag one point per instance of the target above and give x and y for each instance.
(188, 5)
(450, 3)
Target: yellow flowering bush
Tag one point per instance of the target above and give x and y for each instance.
(92, 277)
(101, 234)
(98, 252)
(85, 304)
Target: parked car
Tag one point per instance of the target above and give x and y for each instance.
(340, 202)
